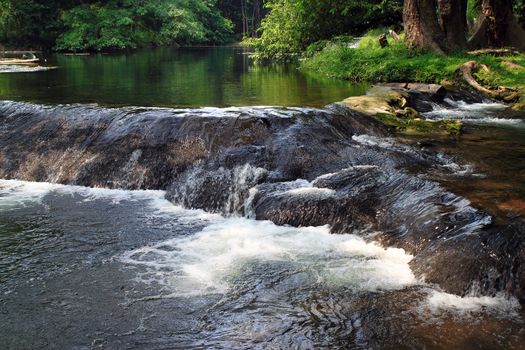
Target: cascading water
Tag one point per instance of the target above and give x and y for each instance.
(154, 251)
(478, 113)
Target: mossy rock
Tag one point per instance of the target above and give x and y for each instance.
(378, 100)
(408, 113)
(420, 126)
(389, 106)
(520, 105)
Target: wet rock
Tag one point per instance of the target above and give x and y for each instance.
(140, 148)
(399, 105)
(300, 167)
(488, 262)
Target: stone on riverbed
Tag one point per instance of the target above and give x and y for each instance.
(378, 100)
(397, 105)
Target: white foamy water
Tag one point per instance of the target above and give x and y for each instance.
(23, 192)
(306, 188)
(212, 260)
(229, 112)
(438, 302)
(478, 113)
(232, 255)
(382, 142)
(16, 194)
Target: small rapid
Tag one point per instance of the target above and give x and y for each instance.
(231, 251)
(486, 113)
(187, 277)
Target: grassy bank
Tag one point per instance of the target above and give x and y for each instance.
(395, 63)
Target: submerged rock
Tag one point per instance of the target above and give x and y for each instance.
(292, 166)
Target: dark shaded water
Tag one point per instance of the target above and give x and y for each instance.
(490, 158)
(185, 77)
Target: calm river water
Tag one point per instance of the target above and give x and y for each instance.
(184, 77)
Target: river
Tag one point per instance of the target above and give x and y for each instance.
(109, 261)
(171, 77)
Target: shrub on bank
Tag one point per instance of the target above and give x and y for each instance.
(396, 63)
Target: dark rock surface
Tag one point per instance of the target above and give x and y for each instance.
(293, 166)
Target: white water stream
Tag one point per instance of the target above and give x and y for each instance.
(215, 259)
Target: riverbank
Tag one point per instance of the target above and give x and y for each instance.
(395, 63)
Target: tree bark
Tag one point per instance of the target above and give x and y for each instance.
(437, 25)
(497, 27)
(453, 21)
(422, 29)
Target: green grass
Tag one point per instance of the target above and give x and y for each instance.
(370, 63)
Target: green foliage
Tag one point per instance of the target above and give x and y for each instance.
(292, 25)
(369, 62)
(473, 10)
(395, 63)
(111, 24)
(135, 23)
(519, 11)
(27, 22)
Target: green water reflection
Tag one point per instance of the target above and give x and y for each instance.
(220, 76)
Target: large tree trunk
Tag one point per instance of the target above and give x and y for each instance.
(422, 29)
(453, 21)
(497, 27)
(437, 25)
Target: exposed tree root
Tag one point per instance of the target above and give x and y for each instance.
(512, 65)
(495, 52)
(466, 72)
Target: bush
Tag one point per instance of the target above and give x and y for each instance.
(292, 25)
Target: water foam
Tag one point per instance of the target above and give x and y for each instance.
(306, 188)
(478, 113)
(439, 302)
(16, 194)
(212, 260)
(228, 112)
(24, 191)
(382, 142)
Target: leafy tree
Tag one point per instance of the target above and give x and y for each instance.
(292, 25)
(111, 24)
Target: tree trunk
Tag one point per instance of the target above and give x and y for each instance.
(244, 20)
(422, 29)
(453, 21)
(437, 25)
(497, 27)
